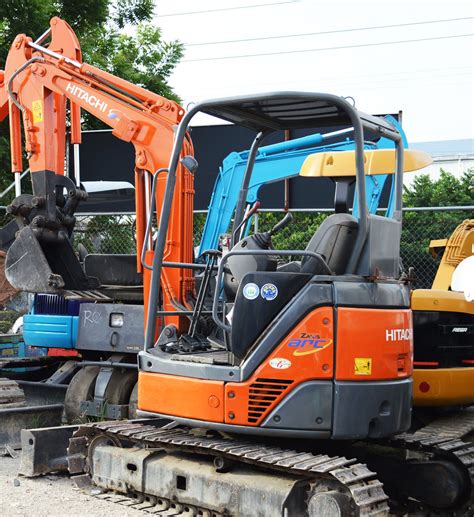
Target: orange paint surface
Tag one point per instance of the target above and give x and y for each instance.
(181, 396)
(305, 354)
(362, 334)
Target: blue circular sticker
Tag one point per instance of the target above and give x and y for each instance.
(251, 291)
(269, 291)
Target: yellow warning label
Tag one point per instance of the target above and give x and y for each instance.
(37, 109)
(362, 365)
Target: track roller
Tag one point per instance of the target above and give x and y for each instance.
(80, 388)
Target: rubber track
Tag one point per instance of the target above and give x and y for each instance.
(443, 437)
(367, 492)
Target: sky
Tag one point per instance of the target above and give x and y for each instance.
(431, 81)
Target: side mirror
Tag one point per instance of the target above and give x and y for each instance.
(190, 163)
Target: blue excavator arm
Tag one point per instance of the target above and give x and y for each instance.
(277, 162)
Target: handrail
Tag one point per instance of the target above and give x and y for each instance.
(12, 185)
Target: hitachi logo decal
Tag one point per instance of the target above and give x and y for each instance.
(459, 329)
(85, 96)
(398, 334)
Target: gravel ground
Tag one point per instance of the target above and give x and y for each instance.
(49, 496)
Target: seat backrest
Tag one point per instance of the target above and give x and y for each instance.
(334, 240)
(113, 269)
(380, 255)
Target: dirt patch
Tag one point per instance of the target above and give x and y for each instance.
(50, 496)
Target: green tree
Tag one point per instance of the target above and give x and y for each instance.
(143, 58)
(445, 191)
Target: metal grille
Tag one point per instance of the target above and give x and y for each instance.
(262, 395)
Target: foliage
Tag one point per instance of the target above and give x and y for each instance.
(143, 59)
(140, 55)
(106, 234)
(420, 228)
(445, 191)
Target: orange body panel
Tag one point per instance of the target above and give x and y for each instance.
(308, 350)
(305, 354)
(181, 396)
(373, 344)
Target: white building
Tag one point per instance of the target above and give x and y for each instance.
(454, 156)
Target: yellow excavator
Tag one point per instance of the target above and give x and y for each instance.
(443, 329)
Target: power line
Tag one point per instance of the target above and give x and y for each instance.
(376, 81)
(328, 48)
(227, 8)
(355, 29)
(375, 84)
(387, 77)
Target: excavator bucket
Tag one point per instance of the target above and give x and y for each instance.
(42, 267)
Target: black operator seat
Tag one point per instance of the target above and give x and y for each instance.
(333, 240)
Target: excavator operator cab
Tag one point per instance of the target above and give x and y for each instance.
(274, 345)
(335, 237)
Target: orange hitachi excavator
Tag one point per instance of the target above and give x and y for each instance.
(313, 359)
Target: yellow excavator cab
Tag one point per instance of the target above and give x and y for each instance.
(377, 161)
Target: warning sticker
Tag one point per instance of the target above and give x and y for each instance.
(37, 109)
(362, 365)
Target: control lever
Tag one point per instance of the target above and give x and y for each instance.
(281, 224)
(249, 214)
(264, 240)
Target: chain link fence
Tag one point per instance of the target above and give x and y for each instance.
(420, 226)
(116, 233)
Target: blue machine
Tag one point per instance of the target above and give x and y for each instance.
(52, 323)
(50, 330)
(13, 346)
(278, 162)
